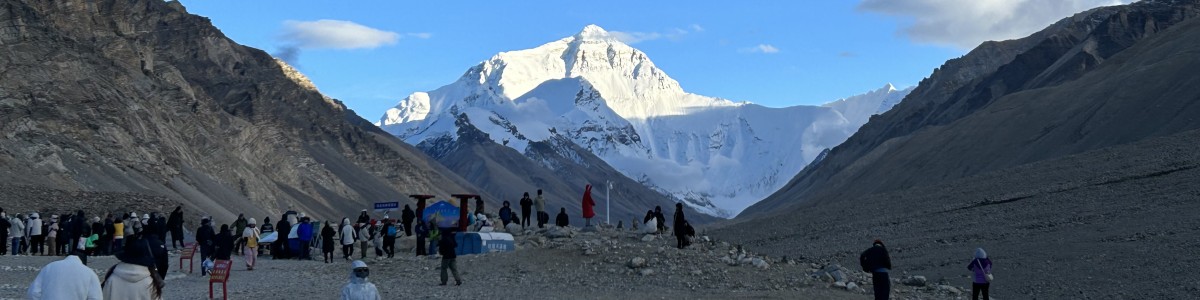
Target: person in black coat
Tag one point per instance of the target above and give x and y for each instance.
(406, 218)
(327, 242)
(280, 249)
(224, 243)
(506, 214)
(562, 220)
(876, 261)
(206, 238)
(446, 247)
(660, 218)
(526, 210)
(175, 225)
(680, 227)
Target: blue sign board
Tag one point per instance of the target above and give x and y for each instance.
(387, 205)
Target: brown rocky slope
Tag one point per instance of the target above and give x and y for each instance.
(142, 97)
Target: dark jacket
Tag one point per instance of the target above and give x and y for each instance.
(526, 205)
(505, 214)
(680, 223)
(875, 258)
(407, 215)
(176, 220)
(446, 245)
(224, 241)
(363, 218)
(327, 242)
(562, 220)
(205, 235)
(421, 230)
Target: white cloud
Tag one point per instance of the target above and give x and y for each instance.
(335, 34)
(673, 34)
(966, 23)
(420, 35)
(761, 48)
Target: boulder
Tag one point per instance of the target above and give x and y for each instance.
(729, 261)
(513, 228)
(914, 281)
(949, 290)
(636, 262)
(853, 287)
(646, 272)
(559, 232)
(760, 263)
(648, 238)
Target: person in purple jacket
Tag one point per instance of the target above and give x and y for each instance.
(981, 266)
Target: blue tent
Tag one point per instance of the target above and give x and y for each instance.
(447, 214)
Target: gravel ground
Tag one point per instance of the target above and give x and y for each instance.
(554, 264)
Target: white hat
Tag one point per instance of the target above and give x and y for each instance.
(145, 216)
(252, 222)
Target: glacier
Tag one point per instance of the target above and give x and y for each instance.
(716, 155)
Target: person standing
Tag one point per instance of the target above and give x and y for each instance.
(206, 238)
(435, 237)
(359, 288)
(364, 238)
(327, 242)
(539, 204)
(981, 266)
(876, 261)
(446, 246)
(406, 218)
(251, 236)
(52, 237)
(68, 278)
(562, 220)
(239, 226)
(119, 234)
(223, 244)
(589, 210)
(660, 219)
(33, 230)
(305, 234)
(422, 234)
(280, 248)
(16, 232)
(680, 227)
(526, 209)
(349, 237)
(175, 224)
(363, 218)
(5, 227)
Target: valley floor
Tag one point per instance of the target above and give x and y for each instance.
(570, 265)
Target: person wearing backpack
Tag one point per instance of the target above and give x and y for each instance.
(422, 234)
(389, 237)
(251, 235)
(981, 266)
(877, 261)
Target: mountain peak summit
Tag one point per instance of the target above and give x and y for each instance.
(593, 32)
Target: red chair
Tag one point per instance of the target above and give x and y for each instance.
(219, 274)
(189, 251)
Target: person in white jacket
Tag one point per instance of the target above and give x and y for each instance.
(134, 278)
(348, 238)
(65, 279)
(33, 230)
(17, 233)
(359, 288)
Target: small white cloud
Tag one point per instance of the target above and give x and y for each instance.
(761, 48)
(965, 24)
(335, 34)
(673, 34)
(420, 35)
(634, 37)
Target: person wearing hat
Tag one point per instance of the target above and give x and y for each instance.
(136, 275)
(348, 238)
(51, 239)
(33, 228)
(68, 278)
(250, 235)
(206, 238)
(359, 288)
(981, 269)
(876, 261)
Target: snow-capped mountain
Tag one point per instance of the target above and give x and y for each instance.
(717, 155)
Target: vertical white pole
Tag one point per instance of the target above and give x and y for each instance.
(607, 201)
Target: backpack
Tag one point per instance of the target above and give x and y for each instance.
(391, 230)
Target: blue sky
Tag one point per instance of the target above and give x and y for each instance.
(371, 54)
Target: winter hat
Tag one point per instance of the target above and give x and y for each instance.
(145, 216)
(251, 221)
(33, 215)
(359, 271)
(878, 242)
(133, 215)
(979, 253)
